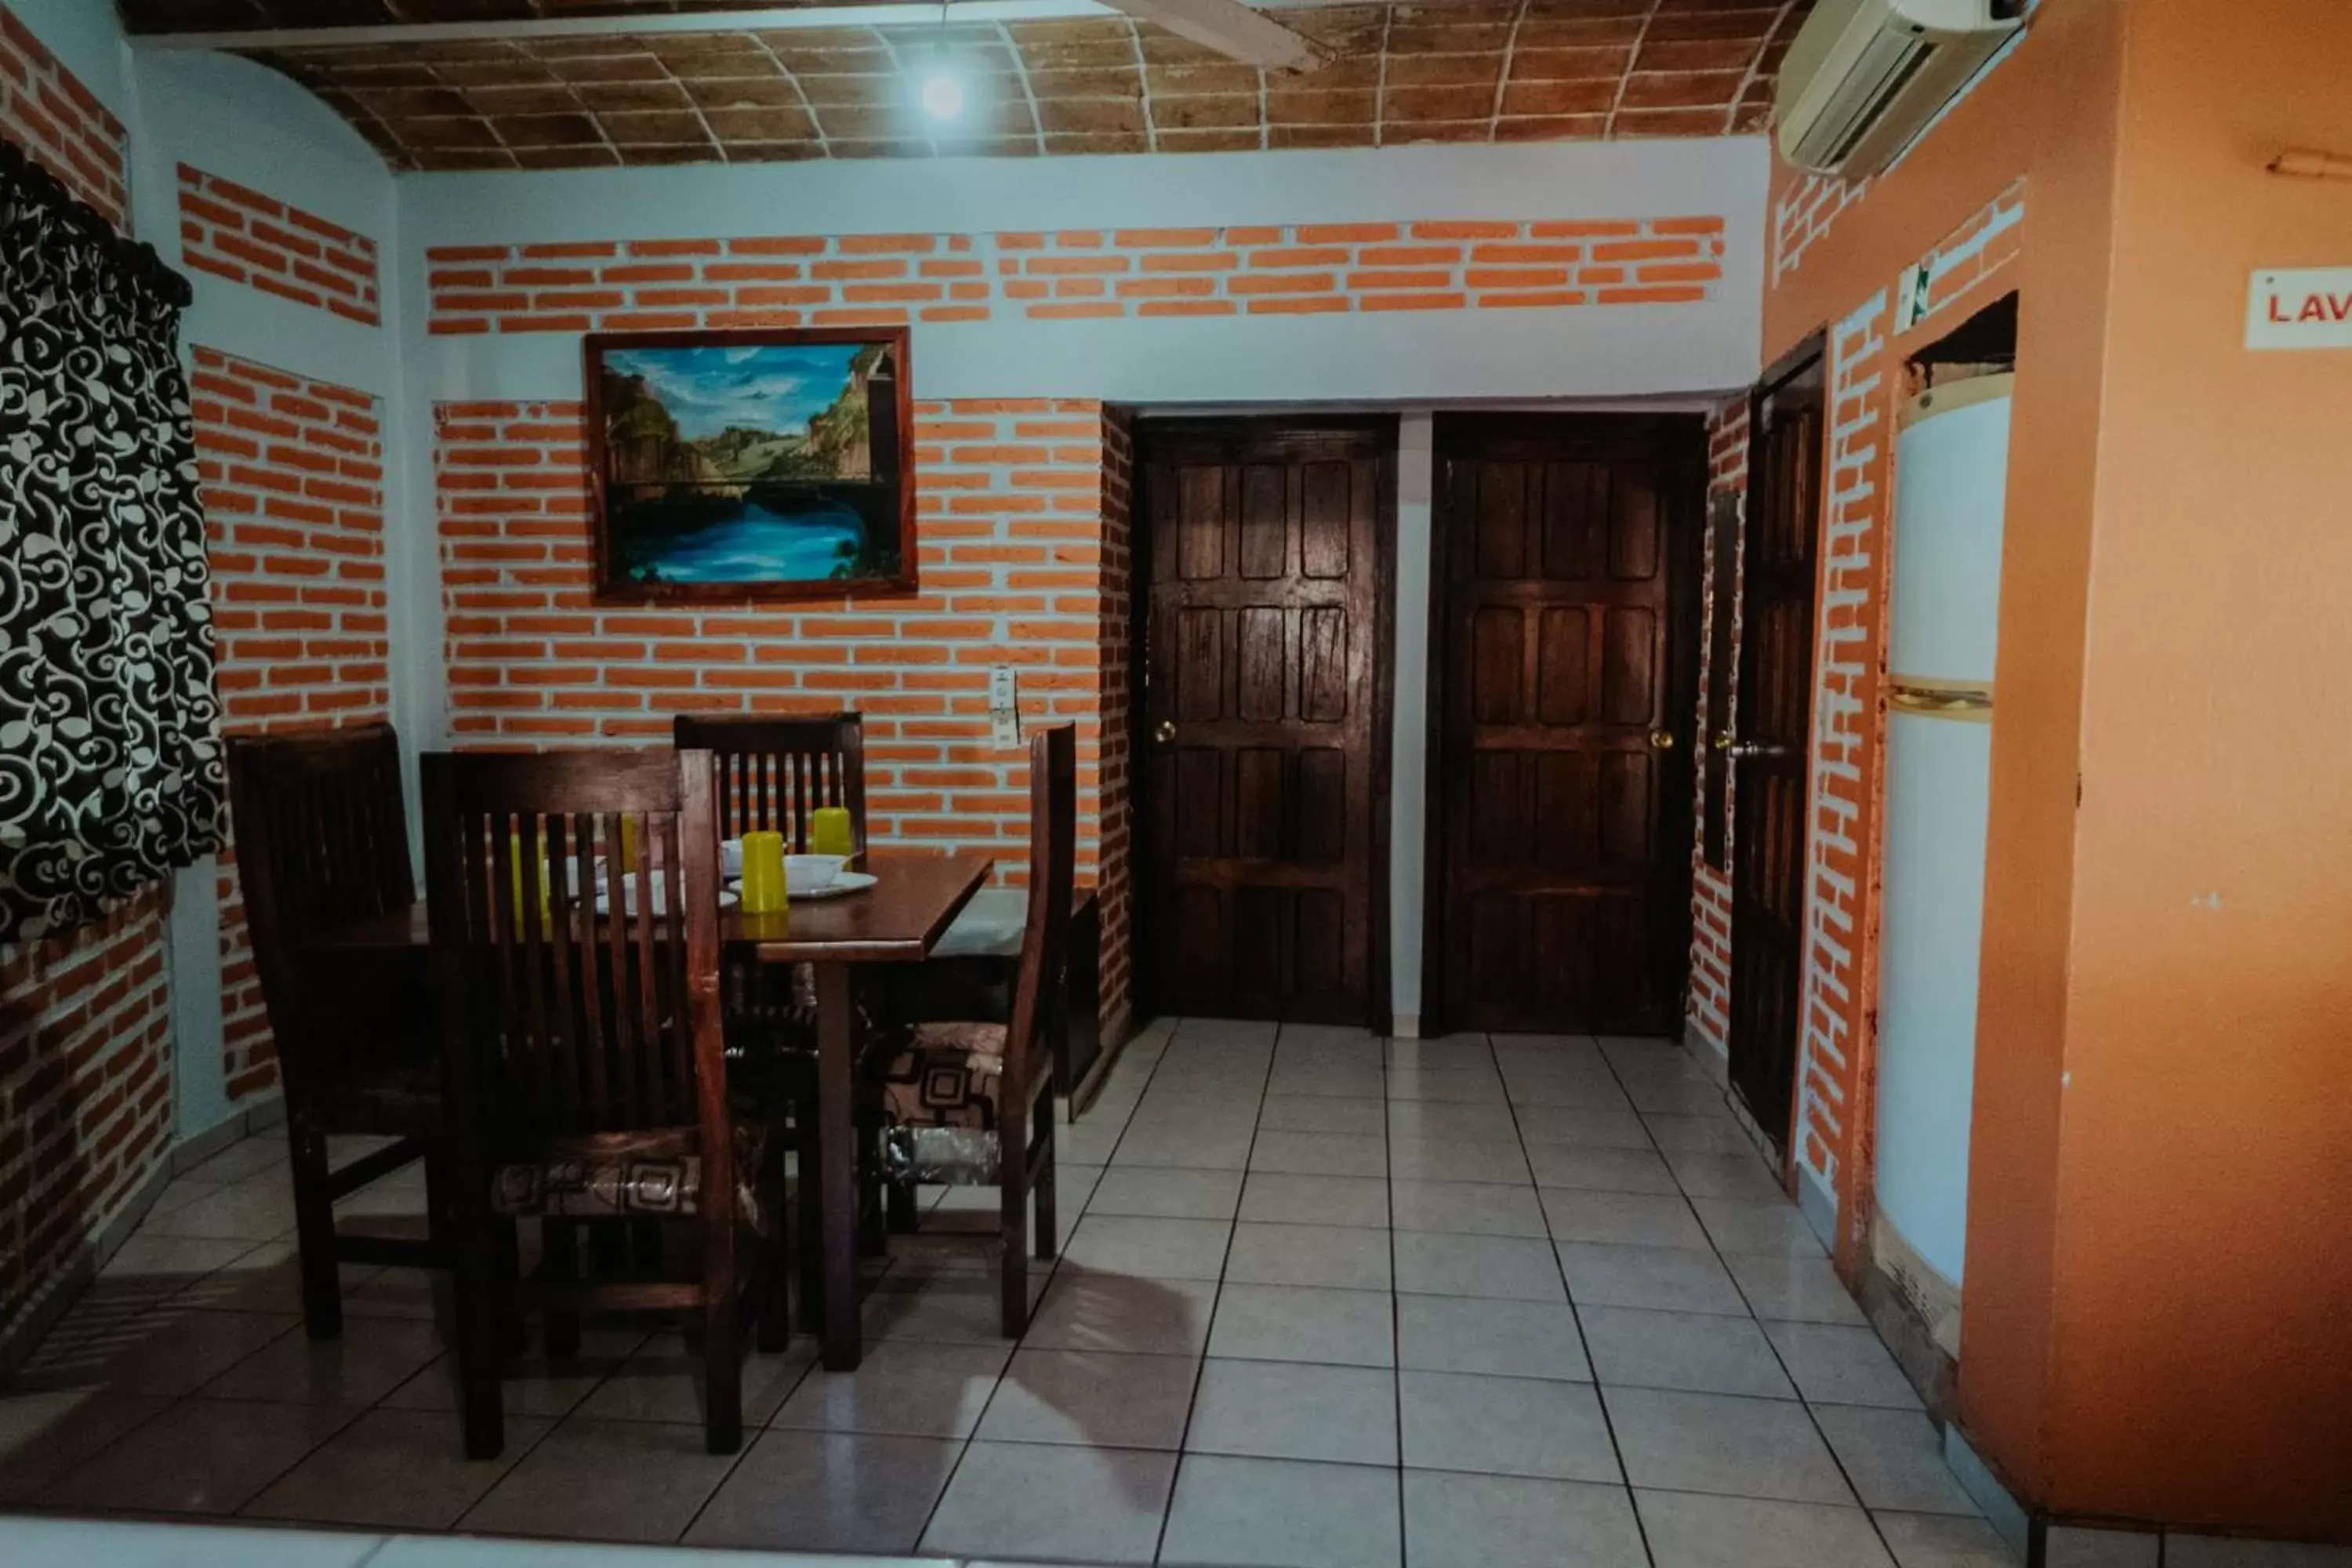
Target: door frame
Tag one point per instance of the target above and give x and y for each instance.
(1277, 429)
(1681, 495)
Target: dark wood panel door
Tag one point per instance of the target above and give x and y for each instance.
(1555, 763)
(1264, 883)
(1769, 754)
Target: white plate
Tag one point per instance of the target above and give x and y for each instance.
(661, 897)
(848, 882)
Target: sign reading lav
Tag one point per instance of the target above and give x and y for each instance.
(758, 465)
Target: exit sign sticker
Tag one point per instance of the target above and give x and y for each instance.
(2300, 308)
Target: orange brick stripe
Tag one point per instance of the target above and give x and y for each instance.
(653, 285)
(1298, 269)
(1804, 216)
(46, 110)
(236, 232)
(293, 495)
(1011, 567)
(1974, 251)
(86, 1079)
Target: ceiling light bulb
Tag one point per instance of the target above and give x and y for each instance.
(942, 92)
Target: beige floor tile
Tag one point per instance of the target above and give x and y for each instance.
(370, 1359)
(1451, 1160)
(828, 1492)
(1689, 1531)
(1467, 1208)
(903, 1388)
(529, 1384)
(1342, 1257)
(394, 1469)
(662, 1381)
(1716, 1134)
(1719, 1443)
(268, 1278)
(1697, 1353)
(1320, 1113)
(1320, 1155)
(606, 1480)
(1086, 1311)
(1895, 1460)
(951, 1296)
(45, 1434)
(2182, 1549)
(2069, 1546)
(1091, 1398)
(1168, 1193)
(1149, 1249)
(1499, 1338)
(1594, 1170)
(1177, 1146)
(1504, 1426)
(202, 1455)
(259, 1208)
(1793, 1290)
(1515, 1267)
(1272, 1199)
(1291, 1323)
(1945, 1541)
(1448, 1053)
(179, 1352)
(1666, 1279)
(1636, 1219)
(1581, 1128)
(1479, 1122)
(1838, 1365)
(1740, 1176)
(1071, 1505)
(1516, 1522)
(1736, 1225)
(1355, 1081)
(246, 1157)
(1590, 1089)
(1282, 1410)
(1254, 1032)
(1479, 1085)
(1282, 1513)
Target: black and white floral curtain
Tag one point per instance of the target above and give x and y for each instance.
(110, 764)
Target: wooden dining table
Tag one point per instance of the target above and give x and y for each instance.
(916, 896)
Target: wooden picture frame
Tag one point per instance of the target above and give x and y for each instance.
(779, 474)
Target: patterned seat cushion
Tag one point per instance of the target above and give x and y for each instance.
(944, 1075)
(625, 1186)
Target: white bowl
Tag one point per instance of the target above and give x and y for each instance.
(730, 856)
(807, 873)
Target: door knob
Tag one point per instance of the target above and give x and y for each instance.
(1756, 749)
(1662, 740)
(1164, 731)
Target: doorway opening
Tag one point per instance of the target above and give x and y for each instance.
(1564, 619)
(1264, 621)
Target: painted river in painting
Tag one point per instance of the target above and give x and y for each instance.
(758, 546)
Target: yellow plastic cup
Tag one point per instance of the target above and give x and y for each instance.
(519, 850)
(763, 873)
(829, 831)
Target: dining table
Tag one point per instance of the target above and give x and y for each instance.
(916, 896)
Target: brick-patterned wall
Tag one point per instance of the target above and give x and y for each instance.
(293, 493)
(1116, 873)
(47, 112)
(1973, 252)
(651, 285)
(85, 1086)
(1803, 216)
(236, 232)
(1710, 1011)
(1010, 557)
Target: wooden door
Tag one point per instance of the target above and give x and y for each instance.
(1559, 827)
(1769, 755)
(1262, 885)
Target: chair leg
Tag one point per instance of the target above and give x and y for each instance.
(1012, 1189)
(314, 1231)
(475, 1268)
(559, 1241)
(506, 1263)
(904, 1218)
(1048, 1237)
(774, 1300)
(722, 1345)
(809, 1222)
(609, 1249)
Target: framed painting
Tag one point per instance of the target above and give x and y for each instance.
(749, 465)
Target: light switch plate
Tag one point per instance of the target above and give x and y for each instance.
(1004, 708)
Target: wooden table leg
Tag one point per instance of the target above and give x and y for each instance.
(836, 1070)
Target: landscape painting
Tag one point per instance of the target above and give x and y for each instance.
(751, 464)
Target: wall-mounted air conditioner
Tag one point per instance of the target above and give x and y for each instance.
(1863, 76)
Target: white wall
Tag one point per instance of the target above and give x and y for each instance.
(1410, 362)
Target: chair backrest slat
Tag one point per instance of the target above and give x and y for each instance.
(775, 770)
(572, 1021)
(1053, 856)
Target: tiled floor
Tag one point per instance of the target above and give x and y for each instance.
(1324, 1299)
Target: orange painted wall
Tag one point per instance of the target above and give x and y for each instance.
(2204, 1276)
(2158, 1280)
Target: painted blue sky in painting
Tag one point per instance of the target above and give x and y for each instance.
(774, 387)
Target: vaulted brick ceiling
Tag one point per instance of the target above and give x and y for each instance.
(1446, 70)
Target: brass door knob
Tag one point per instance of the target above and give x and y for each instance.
(1164, 731)
(1662, 740)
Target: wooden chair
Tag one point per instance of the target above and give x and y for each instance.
(587, 1071)
(971, 1103)
(774, 772)
(321, 840)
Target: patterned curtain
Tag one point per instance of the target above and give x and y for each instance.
(110, 763)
